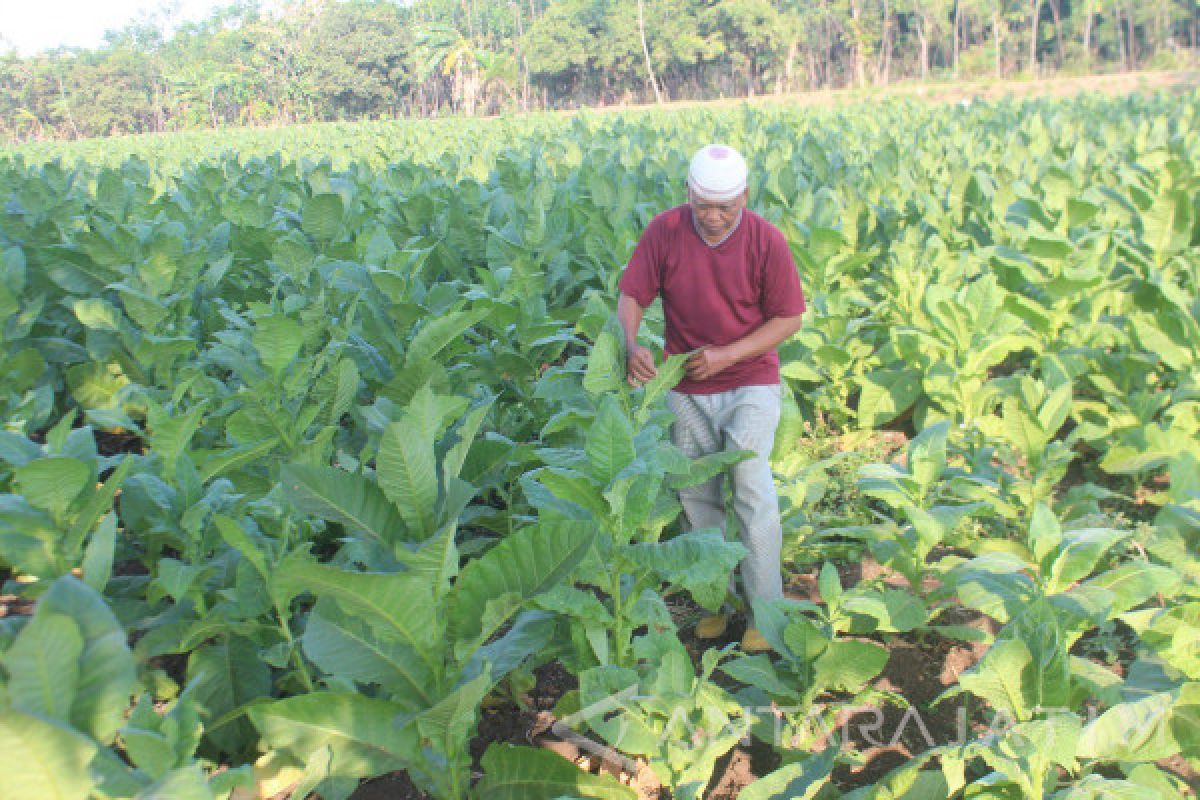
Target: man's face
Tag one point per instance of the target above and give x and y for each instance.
(715, 218)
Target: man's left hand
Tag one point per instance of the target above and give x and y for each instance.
(707, 362)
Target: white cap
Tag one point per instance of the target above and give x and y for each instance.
(717, 172)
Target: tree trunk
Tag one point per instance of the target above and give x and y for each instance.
(883, 66)
(957, 28)
(789, 67)
(646, 52)
(860, 63)
(1056, 12)
(924, 40)
(1033, 37)
(1088, 13)
(1121, 38)
(996, 37)
(1133, 53)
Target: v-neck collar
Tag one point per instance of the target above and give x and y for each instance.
(737, 223)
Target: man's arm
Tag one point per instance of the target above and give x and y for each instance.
(639, 361)
(711, 360)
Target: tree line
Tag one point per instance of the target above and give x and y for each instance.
(313, 60)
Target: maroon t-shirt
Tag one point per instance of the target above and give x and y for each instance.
(715, 295)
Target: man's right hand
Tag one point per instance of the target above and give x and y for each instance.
(639, 365)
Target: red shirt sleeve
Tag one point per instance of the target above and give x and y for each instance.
(782, 295)
(642, 278)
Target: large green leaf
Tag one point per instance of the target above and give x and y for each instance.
(848, 664)
(43, 666)
(1136, 582)
(997, 678)
(407, 469)
(522, 565)
(605, 366)
(798, 781)
(186, 783)
(609, 446)
(322, 215)
(106, 669)
(886, 394)
(52, 484)
(43, 760)
(350, 647)
(699, 561)
(398, 605)
(439, 332)
(278, 340)
(1081, 550)
(1134, 731)
(927, 454)
(227, 674)
(365, 736)
(525, 773)
(348, 499)
(1167, 225)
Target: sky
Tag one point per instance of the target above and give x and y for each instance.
(35, 25)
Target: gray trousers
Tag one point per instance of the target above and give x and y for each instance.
(740, 419)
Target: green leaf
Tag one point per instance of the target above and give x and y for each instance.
(699, 561)
(52, 484)
(278, 340)
(187, 783)
(107, 676)
(362, 733)
(605, 366)
(350, 647)
(98, 556)
(526, 773)
(609, 445)
(522, 565)
(227, 674)
(886, 394)
(1134, 583)
(439, 332)
(707, 467)
(97, 314)
(43, 760)
(322, 215)
(1080, 551)
(99, 504)
(456, 456)
(847, 664)
(573, 487)
(43, 666)
(449, 722)
(1136, 731)
(670, 373)
(407, 470)
(531, 633)
(927, 454)
(397, 604)
(997, 677)
(1167, 225)
(1045, 534)
(345, 498)
(799, 781)
(223, 461)
(759, 672)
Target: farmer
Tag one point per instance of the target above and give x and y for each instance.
(730, 296)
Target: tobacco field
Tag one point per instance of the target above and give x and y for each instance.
(317, 459)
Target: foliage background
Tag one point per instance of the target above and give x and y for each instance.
(320, 60)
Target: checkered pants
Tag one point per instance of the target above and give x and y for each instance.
(739, 419)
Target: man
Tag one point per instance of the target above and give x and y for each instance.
(731, 294)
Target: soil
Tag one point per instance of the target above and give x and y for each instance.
(920, 668)
(1114, 84)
